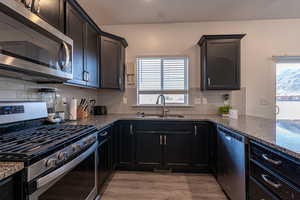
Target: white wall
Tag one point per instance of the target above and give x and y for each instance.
(264, 39)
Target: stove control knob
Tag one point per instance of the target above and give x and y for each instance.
(62, 155)
(76, 147)
(93, 139)
(86, 142)
(51, 162)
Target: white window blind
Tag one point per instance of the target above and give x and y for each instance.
(162, 75)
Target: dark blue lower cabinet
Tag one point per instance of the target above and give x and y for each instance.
(273, 174)
(105, 157)
(7, 189)
(258, 192)
(163, 145)
(12, 188)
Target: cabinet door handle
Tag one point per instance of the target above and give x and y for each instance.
(104, 134)
(267, 180)
(131, 129)
(196, 130)
(160, 139)
(228, 137)
(87, 76)
(208, 80)
(165, 140)
(84, 76)
(120, 82)
(275, 162)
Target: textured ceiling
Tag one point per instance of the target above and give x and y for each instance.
(109, 12)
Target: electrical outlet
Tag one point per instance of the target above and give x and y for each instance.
(64, 100)
(125, 100)
(197, 101)
(263, 102)
(204, 100)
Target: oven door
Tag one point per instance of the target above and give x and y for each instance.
(76, 180)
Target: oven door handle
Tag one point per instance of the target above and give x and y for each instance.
(65, 168)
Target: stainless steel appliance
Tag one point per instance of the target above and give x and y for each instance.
(30, 48)
(60, 160)
(100, 110)
(231, 173)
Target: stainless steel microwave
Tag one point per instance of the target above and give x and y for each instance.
(30, 48)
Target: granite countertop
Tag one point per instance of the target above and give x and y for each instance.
(9, 168)
(283, 135)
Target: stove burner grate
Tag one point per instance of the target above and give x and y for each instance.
(29, 142)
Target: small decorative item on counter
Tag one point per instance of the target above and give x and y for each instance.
(85, 108)
(49, 95)
(54, 118)
(226, 98)
(233, 114)
(82, 113)
(224, 110)
(73, 109)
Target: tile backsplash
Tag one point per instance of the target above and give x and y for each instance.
(19, 90)
(209, 102)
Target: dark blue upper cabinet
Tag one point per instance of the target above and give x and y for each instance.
(50, 11)
(220, 62)
(75, 25)
(91, 57)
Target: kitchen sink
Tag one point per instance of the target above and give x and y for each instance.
(145, 115)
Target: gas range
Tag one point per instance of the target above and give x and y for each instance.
(32, 144)
(50, 153)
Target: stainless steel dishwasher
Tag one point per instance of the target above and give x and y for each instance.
(231, 163)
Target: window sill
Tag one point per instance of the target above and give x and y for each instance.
(159, 106)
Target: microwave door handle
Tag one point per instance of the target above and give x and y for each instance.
(65, 63)
(65, 168)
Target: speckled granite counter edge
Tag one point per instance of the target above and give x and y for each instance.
(9, 168)
(213, 119)
(259, 140)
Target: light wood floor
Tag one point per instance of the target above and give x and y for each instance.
(155, 186)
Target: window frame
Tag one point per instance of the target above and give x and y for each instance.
(184, 91)
(281, 100)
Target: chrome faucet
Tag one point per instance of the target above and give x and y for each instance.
(164, 110)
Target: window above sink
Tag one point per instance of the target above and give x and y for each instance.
(162, 75)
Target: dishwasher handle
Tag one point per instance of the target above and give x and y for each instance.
(229, 134)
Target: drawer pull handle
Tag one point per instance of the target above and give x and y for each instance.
(228, 137)
(104, 134)
(275, 162)
(131, 129)
(265, 178)
(160, 139)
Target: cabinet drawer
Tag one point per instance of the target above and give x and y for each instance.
(274, 183)
(7, 189)
(259, 192)
(278, 162)
(165, 127)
